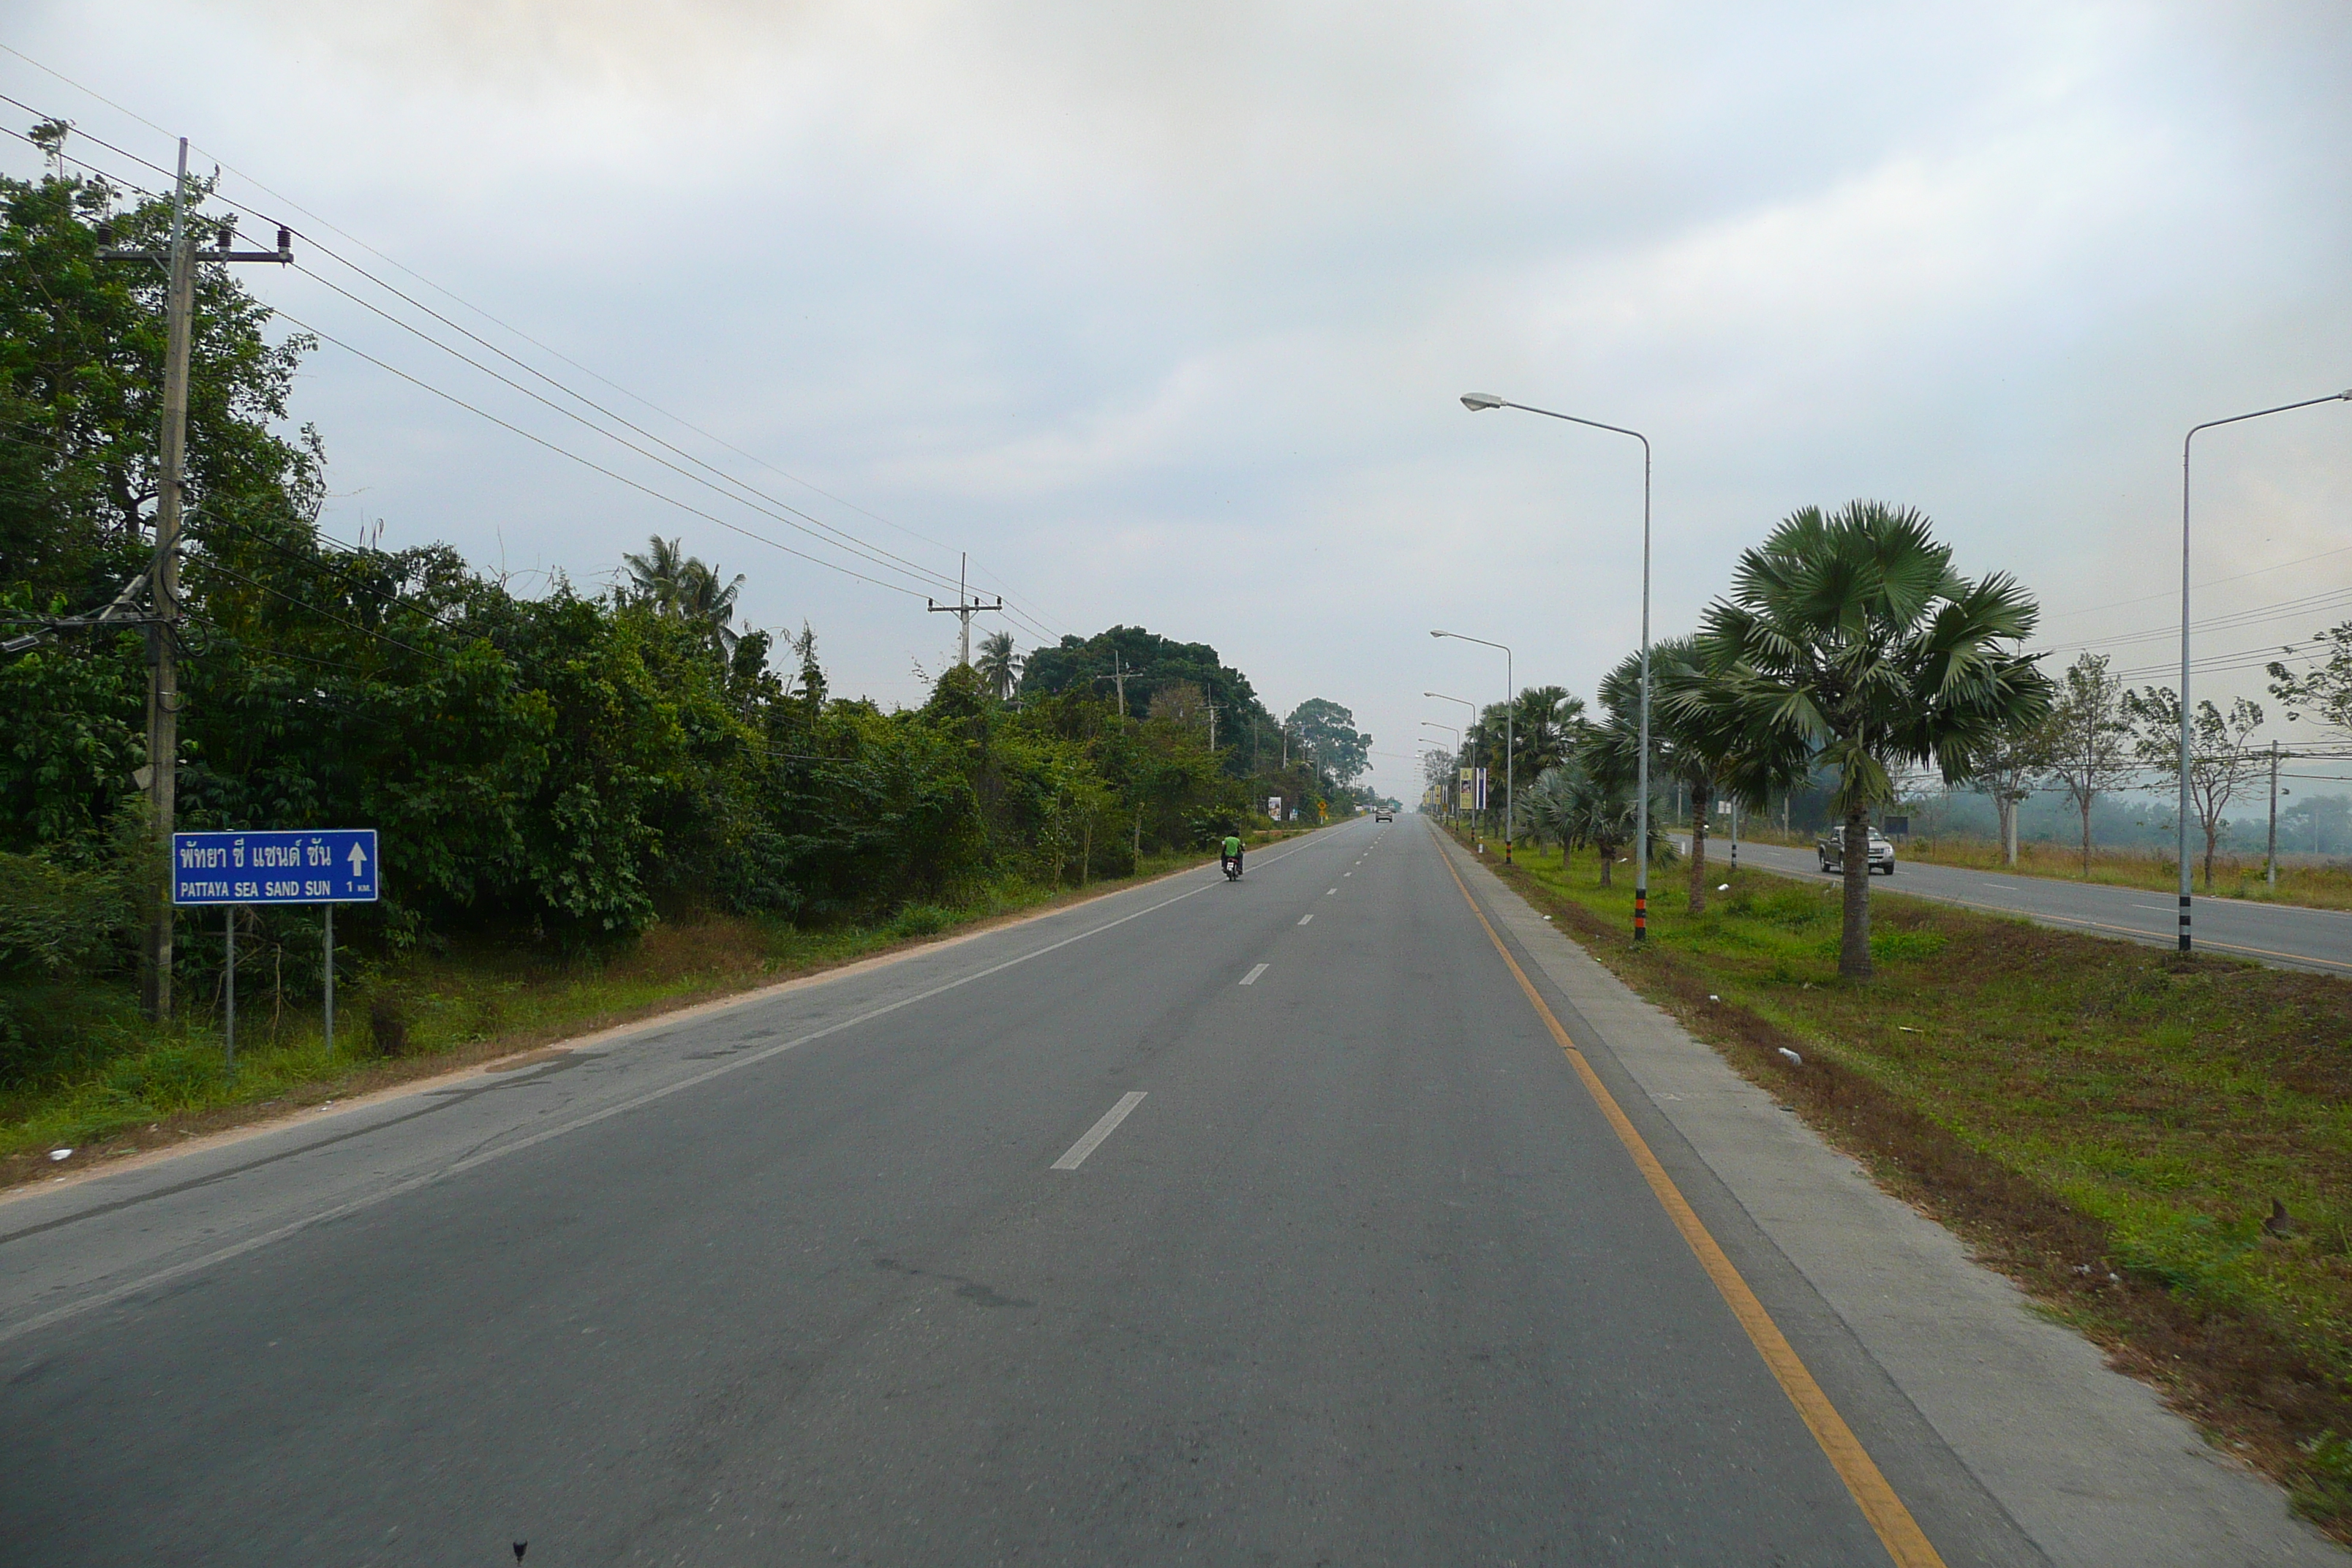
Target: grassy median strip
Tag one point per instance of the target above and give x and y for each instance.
(126, 1088)
(2107, 1123)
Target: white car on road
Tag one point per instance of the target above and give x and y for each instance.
(1831, 849)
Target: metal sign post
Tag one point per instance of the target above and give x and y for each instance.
(324, 866)
(228, 937)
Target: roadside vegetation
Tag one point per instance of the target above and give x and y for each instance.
(415, 1015)
(562, 783)
(2109, 1124)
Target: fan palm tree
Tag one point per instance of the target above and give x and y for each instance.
(1547, 723)
(999, 666)
(1685, 749)
(1851, 636)
(1576, 808)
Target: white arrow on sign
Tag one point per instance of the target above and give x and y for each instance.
(358, 861)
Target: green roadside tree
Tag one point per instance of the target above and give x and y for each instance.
(1328, 731)
(2222, 757)
(1851, 635)
(2089, 752)
(2323, 687)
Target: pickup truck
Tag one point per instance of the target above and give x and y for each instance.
(1830, 847)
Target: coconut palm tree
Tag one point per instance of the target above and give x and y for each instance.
(656, 577)
(704, 604)
(668, 580)
(999, 666)
(1852, 636)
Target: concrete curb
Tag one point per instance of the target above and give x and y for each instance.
(2088, 1463)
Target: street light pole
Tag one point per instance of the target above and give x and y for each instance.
(1477, 401)
(1470, 736)
(1510, 739)
(2182, 853)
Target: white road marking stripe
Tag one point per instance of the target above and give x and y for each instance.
(1099, 1131)
(1329, 891)
(1304, 918)
(237, 1249)
(1251, 978)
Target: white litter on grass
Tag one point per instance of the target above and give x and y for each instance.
(1547, 917)
(1792, 1056)
(60, 1153)
(1713, 997)
(1723, 887)
(1906, 1029)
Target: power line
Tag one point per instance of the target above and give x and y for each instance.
(2212, 583)
(2325, 603)
(589, 462)
(874, 553)
(922, 573)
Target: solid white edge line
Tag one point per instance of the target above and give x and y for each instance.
(1099, 1131)
(107, 1298)
(1251, 978)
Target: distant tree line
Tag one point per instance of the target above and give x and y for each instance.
(562, 769)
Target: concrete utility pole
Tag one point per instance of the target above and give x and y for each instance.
(963, 609)
(162, 628)
(2270, 855)
(1117, 676)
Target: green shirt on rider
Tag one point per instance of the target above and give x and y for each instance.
(1233, 848)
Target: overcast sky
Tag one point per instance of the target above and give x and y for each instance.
(1162, 312)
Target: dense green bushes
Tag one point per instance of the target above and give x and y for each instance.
(556, 773)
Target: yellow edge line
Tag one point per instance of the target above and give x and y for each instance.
(1904, 1541)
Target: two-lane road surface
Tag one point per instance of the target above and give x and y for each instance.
(1205, 1223)
(2285, 934)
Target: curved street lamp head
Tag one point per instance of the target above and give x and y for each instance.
(1476, 401)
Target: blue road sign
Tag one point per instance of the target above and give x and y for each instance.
(325, 866)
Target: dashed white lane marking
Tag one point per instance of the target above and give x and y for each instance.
(1251, 978)
(1329, 891)
(1304, 918)
(1346, 873)
(1099, 1131)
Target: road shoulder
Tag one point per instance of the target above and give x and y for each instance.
(2087, 1464)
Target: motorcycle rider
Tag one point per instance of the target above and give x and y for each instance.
(1229, 859)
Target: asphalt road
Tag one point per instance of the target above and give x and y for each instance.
(2271, 933)
(846, 1274)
